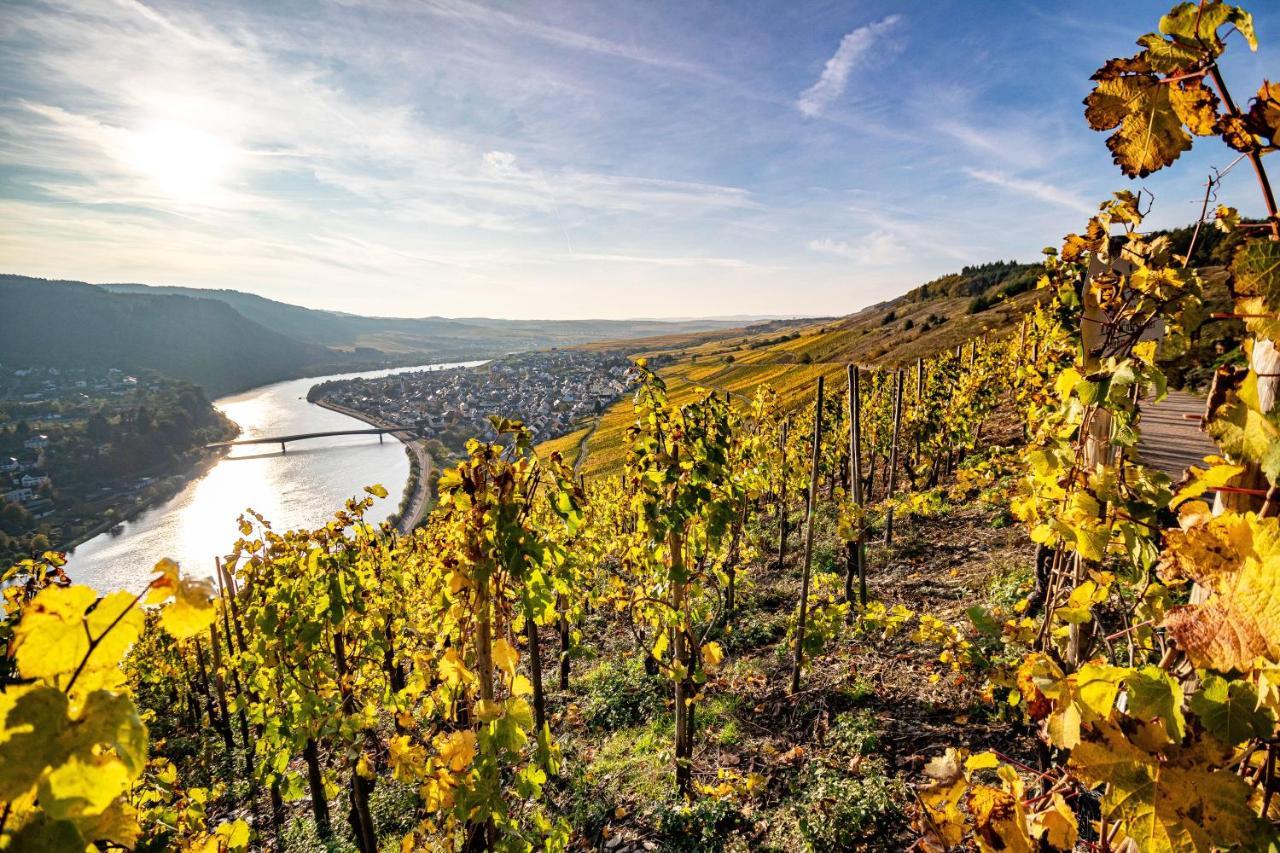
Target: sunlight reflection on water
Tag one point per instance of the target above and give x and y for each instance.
(301, 487)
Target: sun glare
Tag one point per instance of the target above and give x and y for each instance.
(183, 162)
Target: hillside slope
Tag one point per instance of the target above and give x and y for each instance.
(69, 324)
(981, 300)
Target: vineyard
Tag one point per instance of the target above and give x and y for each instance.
(939, 603)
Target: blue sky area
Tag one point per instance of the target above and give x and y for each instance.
(565, 159)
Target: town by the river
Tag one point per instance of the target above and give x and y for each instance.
(300, 487)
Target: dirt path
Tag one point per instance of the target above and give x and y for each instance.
(1170, 440)
(582, 444)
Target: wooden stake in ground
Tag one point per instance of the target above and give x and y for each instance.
(682, 653)
(803, 612)
(893, 456)
(782, 494)
(220, 689)
(857, 557)
(565, 637)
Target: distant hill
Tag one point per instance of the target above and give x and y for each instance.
(70, 324)
(447, 339)
(303, 324)
(230, 340)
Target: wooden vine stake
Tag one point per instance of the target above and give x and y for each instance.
(893, 456)
(803, 612)
(565, 640)
(685, 689)
(856, 560)
(1096, 429)
(220, 689)
(225, 596)
(782, 493)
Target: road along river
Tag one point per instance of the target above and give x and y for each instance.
(299, 488)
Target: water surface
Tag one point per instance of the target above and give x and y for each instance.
(299, 488)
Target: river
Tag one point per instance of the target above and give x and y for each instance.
(299, 488)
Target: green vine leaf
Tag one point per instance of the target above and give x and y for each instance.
(1229, 710)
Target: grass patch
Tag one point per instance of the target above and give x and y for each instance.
(620, 694)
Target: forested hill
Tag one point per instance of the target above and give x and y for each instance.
(71, 324)
(302, 324)
(438, 338)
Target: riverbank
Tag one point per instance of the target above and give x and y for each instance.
(413, 506)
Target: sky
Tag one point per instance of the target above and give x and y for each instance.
(566, 159)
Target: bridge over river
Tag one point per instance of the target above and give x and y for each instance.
(282, 440)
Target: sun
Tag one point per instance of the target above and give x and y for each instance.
(181, 161)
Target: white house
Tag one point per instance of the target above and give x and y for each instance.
(36, 442)
(31, 481)
(18, 495)
(10, 464)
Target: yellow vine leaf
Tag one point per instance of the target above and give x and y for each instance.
(452, 669)
(118, 823)
(1255, 275)
(457, 749)
(1098, 685)
(981, 761)
(1200, 480)
(942, 821)
(1056, 824)
(1196, 25)
(1164, 805)
(406, 758)
(83, 786)
(191, 611)
(1264, 115)
(999, 820)
(53, 637)
(505, 658)
(488, 710)
(30, 721)
(1238, 559)
(1130, 98)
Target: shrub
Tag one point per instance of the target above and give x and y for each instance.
(703, 824)
(980, 303)
(836, 810)
(806, 358)
(855, 733)
(752, 633)
(861, 689)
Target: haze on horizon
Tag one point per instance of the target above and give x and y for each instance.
(558, 159)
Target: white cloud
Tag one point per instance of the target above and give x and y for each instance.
(490, 17)
(1036, 189)
(835, 74)
(879, 248)
(283, 122)
(725, 263)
